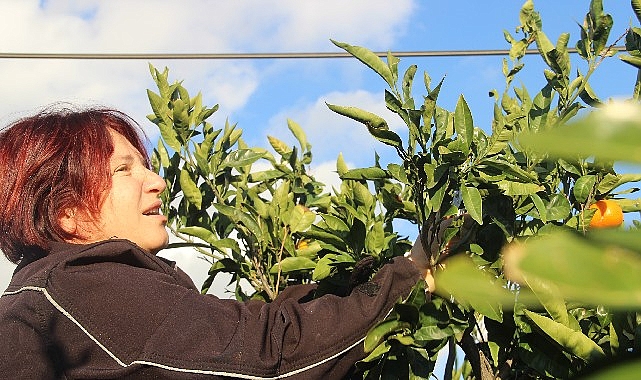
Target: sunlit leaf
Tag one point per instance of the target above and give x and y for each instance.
(558, 208)
(473, 202)
(242, 157)
(376, 125)
(240, 217)
(376, 335)
(300, 218)
(519, 188)
(370, 59)
(190, 189)
(279, 146)
(583, 187)
(370, 173)
(375, 239)
(571, 340)
(636, 7)
(463, 123)
(293, 264)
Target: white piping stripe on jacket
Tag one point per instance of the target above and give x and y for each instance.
(170, 368)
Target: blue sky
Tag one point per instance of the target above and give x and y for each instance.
(260, 95)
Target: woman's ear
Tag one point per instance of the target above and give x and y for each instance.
(68, 221)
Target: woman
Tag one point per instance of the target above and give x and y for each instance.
(90, 299)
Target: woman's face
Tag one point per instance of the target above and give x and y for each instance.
(131, 207)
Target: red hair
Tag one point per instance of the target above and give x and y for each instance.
(52, 162)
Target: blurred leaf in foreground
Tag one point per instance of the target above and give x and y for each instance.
(612, 132)
(596, 269)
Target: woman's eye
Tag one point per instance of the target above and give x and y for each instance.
(121, 168)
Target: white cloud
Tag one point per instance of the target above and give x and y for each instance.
(294, 24)
(199, 25)
(55, 26)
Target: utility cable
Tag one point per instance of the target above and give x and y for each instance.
(228, 56)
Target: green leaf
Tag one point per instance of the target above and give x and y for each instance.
(408, 79)
(572, 341)
(279, 146)
(376, 125)
(325, 265)
(298, 132)
(370, 173)
(169, 135)
(636, 7)
(360, 115)
(199, 232)
(210, 238)
(310, 250)
(330, 239)
(242, 157)
(190, 189)
(540, 207)
(630, 205)
(398, 173)
(265, 176)
(473, 202)
(370, 59)
(558, 208)
(375, 239)
(382, 330)
(632, 60)
(239, 217)
(323, 269)
(300, 218)
(549, 297)
(511, 170)
(282, 200)
(463, 123)
(341, 165)
(379, 351)
(583, 187)
(589, 97)
(293, 264)
(158, 105)
(518, 188)
(362, 195)
(611, 181)
(437, 195)
(163, 155)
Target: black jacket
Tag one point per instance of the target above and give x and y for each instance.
(111, 310)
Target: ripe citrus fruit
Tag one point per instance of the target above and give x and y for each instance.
(302, 244)
(608, 214)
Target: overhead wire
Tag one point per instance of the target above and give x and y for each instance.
(286, 55)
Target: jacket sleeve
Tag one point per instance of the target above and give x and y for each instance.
(321, 338)
(139, 317)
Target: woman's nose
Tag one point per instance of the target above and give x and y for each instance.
(155, 183)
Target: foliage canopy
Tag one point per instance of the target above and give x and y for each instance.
(535, 294)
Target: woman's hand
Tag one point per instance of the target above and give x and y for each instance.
(429, 249)
(419, 258)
